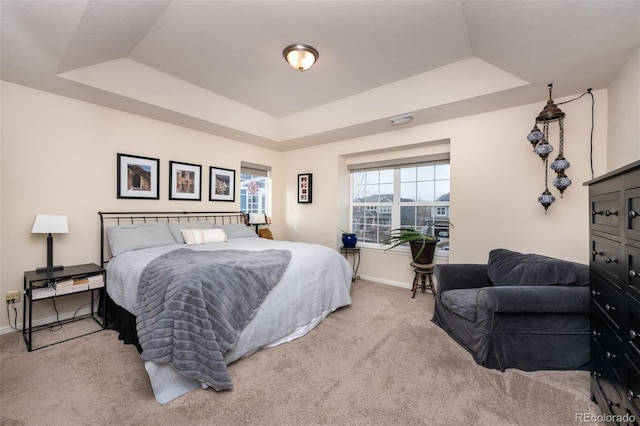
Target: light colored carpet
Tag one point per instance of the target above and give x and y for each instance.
(378, 362)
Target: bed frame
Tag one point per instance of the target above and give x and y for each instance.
(116, 317)
(129, 218)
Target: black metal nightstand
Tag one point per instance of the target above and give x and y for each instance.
(48, 280)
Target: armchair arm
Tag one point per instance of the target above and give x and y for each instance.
(451, 276)
(535, 299)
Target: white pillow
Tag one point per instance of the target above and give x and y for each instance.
(177, 227)
(202, 236)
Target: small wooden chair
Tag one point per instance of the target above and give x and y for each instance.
(420, 280)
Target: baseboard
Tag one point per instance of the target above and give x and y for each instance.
(386, 281)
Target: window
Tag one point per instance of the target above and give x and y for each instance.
(254, 188)
(415, 195)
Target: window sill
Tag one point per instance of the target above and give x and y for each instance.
(398, 250)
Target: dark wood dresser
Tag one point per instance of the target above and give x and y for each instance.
(614, 203)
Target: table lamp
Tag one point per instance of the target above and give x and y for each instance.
(49, 224)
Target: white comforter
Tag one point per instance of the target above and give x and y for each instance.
(316, 283)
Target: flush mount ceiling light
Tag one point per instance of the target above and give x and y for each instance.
(396, 121)
(301, 57)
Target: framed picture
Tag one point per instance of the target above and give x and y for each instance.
(185, 181)
(304, 187)
(138, 177)
(222, 184)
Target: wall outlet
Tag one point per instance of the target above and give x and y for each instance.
(13, 297)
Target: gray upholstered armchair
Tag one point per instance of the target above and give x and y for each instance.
(523, 311)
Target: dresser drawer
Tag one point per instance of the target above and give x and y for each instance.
(632, 332)
(606, 258)
(633, 386)
(632, 275)
(632, 197)
(605, 212)
(607, 381)
(607, 302)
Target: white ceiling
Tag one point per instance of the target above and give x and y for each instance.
(217, 66)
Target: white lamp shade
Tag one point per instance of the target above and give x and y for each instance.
(257, 218)
(50, 224)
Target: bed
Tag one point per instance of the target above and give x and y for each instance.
(196, 291)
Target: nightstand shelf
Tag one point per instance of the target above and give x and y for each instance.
(33, 280)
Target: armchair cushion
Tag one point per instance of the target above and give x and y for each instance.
(462, 302)
(510, 268)
(534, 300)
(516, 300)
(460, 275)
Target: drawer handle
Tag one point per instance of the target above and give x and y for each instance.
(608, 307)
(609, 355)
(606, 213)
(611, 260)
(633, 274)
(631, 394)
(612, 404)
(596, 374)
(632, 334)
(596, 334)
(633, 214)
(595, 293)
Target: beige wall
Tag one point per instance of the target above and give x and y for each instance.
(59, 157)
(495, 182)
(624, 115)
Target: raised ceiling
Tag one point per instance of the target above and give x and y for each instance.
(217, 66)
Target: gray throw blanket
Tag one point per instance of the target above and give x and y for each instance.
(193, 305)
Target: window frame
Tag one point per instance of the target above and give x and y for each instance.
(255, 171)
(397, 204)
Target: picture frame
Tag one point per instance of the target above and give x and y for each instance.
(138, 177)
(185, 181)
(222, 184)
(305, 188)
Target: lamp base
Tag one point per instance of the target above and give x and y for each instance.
(49, 268)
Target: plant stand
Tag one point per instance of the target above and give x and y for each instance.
(423, 271)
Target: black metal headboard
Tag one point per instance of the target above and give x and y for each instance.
(130, 218)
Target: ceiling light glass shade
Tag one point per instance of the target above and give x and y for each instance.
(535, 136)
(560, 164)
(546, 199)
(561, 182)
(301, 57)
(543, 149)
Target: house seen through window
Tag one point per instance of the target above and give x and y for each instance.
(415, 196)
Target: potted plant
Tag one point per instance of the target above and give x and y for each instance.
(349, 239)
(423, 245)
